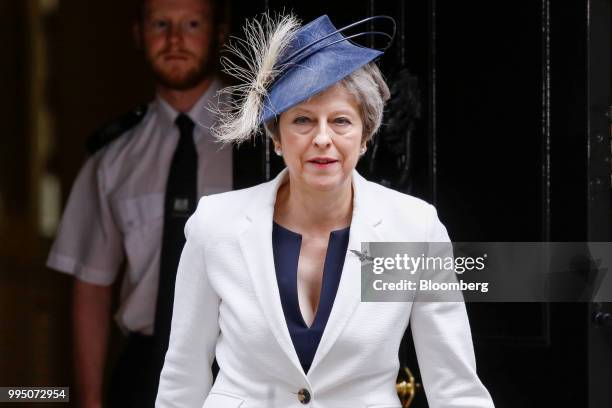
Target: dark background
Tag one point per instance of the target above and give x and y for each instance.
(502, 122)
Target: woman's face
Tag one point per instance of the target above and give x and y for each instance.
(321, 139)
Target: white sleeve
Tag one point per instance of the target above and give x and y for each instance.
(186, 377)
(443, 344)
(89, 244)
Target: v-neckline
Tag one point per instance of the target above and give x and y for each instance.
(294, 290)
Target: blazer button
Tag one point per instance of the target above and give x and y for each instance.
(304, 396)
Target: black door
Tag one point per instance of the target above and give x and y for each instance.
(499, 119)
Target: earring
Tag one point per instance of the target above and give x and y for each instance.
(363, 150)
(278, 152)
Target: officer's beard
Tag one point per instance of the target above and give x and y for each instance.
(189, 79)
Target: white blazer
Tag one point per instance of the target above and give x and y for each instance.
(227, 304)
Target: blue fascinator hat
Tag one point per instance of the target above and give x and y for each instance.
(280, 64)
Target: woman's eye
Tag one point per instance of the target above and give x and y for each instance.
(342, 121)
(301, 120)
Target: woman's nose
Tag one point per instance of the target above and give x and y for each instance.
(323, 138)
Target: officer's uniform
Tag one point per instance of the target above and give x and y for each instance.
(115, 212)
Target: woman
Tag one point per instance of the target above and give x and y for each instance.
(267, 281)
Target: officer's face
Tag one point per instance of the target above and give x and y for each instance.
(179, 40)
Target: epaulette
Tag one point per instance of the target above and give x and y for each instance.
(115, 128)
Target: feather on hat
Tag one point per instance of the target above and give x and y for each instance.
(264, 43)
(281, 64)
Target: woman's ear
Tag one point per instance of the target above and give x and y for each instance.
(277, 147)
(364, 147)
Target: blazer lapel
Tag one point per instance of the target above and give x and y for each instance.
(364, 224)
(256, 247)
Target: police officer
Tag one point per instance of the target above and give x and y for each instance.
(130, 201)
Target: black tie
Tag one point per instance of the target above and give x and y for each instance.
(179, 204)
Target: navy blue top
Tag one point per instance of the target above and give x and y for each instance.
(286, 247)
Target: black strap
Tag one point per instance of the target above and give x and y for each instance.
(180, 203)
(115, 128)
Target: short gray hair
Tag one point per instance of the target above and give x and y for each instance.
(369, 88)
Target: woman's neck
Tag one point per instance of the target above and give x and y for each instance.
(313, 211)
